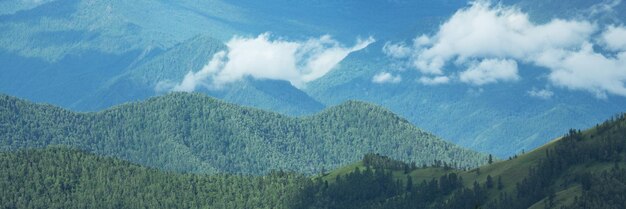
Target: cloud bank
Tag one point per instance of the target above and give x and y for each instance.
(264, 57)
(486, 42)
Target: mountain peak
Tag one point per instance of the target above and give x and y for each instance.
(362, 110)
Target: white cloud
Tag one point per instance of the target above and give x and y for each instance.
(397, 50)
(588, 70)
(486, 31)
(266, 58)
(421, 41)
(385, 77)
(499, 37)
(542, 94)
(434, 80)
(614, 38)
(490, 71)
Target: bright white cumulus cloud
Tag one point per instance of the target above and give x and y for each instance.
(487, 42)
(265, 57)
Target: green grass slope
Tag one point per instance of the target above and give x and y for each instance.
(196, 133)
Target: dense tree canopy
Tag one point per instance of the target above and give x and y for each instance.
(65, 178)
(581, 170)
(195, 133)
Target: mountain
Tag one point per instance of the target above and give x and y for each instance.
(91, 55)
(274, 95)
(196, 133)
(142, 81)
(67, 178)
(578, 170)
(61, 51)
(502, 118)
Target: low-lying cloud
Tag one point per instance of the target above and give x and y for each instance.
(486, 42)
(265, 57)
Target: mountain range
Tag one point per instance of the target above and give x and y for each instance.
(92, 55)
(582, 169)
(318, 104)
(191, 132)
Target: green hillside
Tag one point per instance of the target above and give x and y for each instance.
(195, 133)
(579, 170)
(65, 178)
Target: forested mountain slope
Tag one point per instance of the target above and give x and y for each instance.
(66, 178)
(580, 170)
(196, 133)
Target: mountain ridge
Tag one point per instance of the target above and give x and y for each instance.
(192, 132)
(570, 172)
(79, 54)
(581, 169)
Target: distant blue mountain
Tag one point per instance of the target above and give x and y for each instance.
(90, 55)
(502, 120)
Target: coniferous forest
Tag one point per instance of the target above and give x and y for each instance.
(582, 169)
(191, 132)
